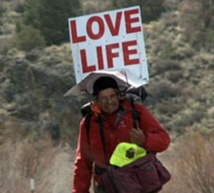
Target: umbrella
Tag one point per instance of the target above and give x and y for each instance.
(86, 85)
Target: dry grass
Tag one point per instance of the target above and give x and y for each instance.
(191, 164)
(50, 167)
(190, 160)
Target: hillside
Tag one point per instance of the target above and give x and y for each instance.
(33, 83)
(39, 125)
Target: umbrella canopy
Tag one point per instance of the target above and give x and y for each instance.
(86, 85)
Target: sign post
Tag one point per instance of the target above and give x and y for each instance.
(110, 41)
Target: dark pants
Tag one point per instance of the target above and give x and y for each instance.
(99, 189)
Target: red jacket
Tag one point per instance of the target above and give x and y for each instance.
(90, 148)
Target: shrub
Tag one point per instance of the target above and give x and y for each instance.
(163, 90)
(196, 18)
(175, 76)
(168, 108)
(52, 24)
(90, 7)
(29, 38)
(191, 164)
(167, 65)
(151, 9)
(209, 38)
(6, 44)
(2, 9)
(19, 7)
(166, 51)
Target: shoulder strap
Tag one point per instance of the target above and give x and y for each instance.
(100, 122)
(88, 122)
(136, 119)
(135, 115)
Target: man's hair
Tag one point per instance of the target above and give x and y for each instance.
(102, 83)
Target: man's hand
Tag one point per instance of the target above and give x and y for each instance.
(137, 137)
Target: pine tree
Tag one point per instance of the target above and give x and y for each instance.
(31, 14)
(50, 17)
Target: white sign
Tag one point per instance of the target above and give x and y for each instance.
(110, 41)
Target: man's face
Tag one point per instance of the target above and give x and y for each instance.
(108, 100)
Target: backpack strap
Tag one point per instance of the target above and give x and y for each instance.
(135, 115)
(100, 122)
(136, 120)
(88, 122)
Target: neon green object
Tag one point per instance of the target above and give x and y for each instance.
(126, 153)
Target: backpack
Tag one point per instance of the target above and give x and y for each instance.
(134, 95)
(145, 175)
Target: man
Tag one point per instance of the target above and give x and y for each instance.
(117, 126)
